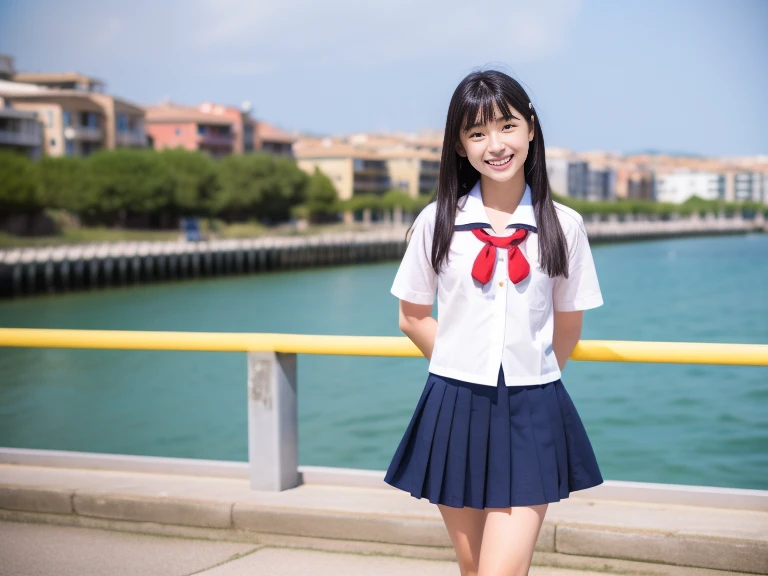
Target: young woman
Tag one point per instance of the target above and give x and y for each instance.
(495, 436)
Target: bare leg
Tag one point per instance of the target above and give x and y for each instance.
(509, 537)
(465, 527)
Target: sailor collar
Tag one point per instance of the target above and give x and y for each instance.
(471, 214)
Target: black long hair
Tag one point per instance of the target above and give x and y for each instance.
(478, 92)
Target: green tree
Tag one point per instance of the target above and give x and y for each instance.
(19, 184)
(259, 185)
(322, 198)
(397, 198)
(64, 183)
(129, 181)
(193, 178)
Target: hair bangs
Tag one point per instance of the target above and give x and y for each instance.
(481, 108)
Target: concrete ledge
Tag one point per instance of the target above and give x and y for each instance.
(375, 518)
(36, 498)
(186, 512)
(626, 491)
(666, 548)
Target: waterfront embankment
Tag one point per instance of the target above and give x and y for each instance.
(27, 271)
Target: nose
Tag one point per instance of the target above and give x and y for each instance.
(495, 145)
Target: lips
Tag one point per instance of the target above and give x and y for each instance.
(507, 160)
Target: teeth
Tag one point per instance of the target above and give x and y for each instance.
(500, 162)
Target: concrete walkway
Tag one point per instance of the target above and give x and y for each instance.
(41, 549)
(610, 536)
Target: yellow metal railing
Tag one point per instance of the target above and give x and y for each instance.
(588, 350)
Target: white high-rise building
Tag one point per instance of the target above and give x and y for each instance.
(677, 187)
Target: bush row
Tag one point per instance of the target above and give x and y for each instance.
(154, 188)
(110, 186)
(694, 204)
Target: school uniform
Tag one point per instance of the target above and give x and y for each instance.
(494, 426)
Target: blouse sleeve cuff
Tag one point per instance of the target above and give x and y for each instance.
(412, 295)
(585, 303)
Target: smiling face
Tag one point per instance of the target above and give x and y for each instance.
(497, 149)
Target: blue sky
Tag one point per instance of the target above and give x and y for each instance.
(677, 75)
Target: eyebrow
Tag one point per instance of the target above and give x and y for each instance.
(505, 118)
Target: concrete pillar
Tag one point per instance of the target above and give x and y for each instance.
(398, 216)
(367, 216)
(273, 439)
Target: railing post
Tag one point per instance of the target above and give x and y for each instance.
(273, 439)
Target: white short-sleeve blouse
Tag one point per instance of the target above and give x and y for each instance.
(484, 326)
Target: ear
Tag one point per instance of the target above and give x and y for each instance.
(460, 149)
(531, 132)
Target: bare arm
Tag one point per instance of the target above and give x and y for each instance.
(417, 323)
(566, 335)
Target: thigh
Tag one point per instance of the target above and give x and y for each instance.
(465, 527)
(509, 537)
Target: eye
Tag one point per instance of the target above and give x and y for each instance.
(474, 134)
(510, 125)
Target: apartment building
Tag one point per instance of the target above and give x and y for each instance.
(558, 161)
(636, 184)
(21, 131)
(597, 176)
(741, 185)
(352, 170)
(62, 81)
(374, 163)
(678, 186)
(413, 171)
(76, 116)
(272, 140)
(217, 130)
(214, 128)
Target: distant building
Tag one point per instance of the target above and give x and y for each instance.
(641, 185)
(601, 183)
(75, 114)
(210, 128)
(677, 187)
(558, 160)
(6, 67)
(61, 81)
(352, 170)
(373, 163)
(214, 128)
(578, 179)
(741, 186)
(272, 140)
(21, 131)
(413, 171)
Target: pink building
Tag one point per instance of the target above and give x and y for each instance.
(218, 130)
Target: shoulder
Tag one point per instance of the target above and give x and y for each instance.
(426, 218)
(570, 220)
(429, 211)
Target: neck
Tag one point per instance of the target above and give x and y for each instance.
(502, 196)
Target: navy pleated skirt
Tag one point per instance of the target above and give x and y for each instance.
(493, 447)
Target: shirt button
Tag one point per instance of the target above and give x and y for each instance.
(501, 283)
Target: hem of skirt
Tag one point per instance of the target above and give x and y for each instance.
(518, 502)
